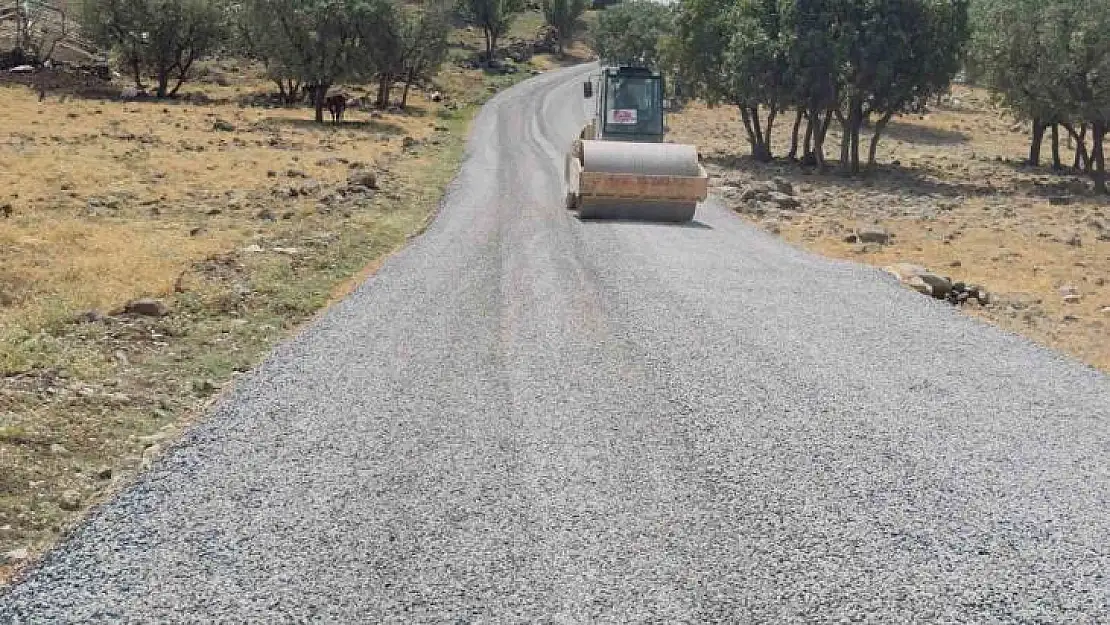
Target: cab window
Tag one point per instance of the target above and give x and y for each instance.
(633, 106)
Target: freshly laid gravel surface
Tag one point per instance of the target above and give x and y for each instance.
(527, 418)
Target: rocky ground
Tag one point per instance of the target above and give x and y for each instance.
(155, 250)
(951, 209)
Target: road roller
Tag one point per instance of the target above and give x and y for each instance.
(619, 167)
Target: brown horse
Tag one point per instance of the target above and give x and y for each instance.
(336, 104)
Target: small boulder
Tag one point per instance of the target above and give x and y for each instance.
(941, 286)
(15, 556)
(1075, 240)
(783, 200)
(70, 501)
(873, 235)
(783, 186)
(147, 307)
(104, 473)
(363, 178)
(222, 125)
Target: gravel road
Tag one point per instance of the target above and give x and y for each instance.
(527, 418)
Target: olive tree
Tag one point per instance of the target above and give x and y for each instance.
(314, 43)
(565, 17)
(630, 32)
(159, 38)
(494, 17)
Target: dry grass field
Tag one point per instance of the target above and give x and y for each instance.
(241, 220)
(952, 194)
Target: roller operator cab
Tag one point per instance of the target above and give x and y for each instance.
(620, 167)
(629, 106)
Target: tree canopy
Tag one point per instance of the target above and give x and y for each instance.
(159, 38)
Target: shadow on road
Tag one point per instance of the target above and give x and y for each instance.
(695, 224)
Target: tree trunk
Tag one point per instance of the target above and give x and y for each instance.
(319, 95)
(1035, 146)
(819, 141)
(1056, 147)
(879, 127)
(183, 73)
(1082, 161)
(385, 84)
(793, 155)
(408, 83)
(163, 82)
(845, 141)
(767, 131)
(807, 143)
(138, 73)
(750, 116)
(1098, 159)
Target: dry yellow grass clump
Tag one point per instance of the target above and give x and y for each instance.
(952, 192)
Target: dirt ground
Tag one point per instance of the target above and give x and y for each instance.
(951, 192)
(241, 219)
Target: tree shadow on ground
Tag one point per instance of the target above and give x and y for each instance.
(887, 178)
(912, 133)
(371, 125)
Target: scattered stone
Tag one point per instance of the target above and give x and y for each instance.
(955, 263)
(70, 501)
(924, 281)
(437, 96)
(1074, 240)
(1105, 310)
(851, 238)
(90, 316)
(940, 285)
(6, 210)
(782, 185)
(253, 248)
(1060, 200)
(15, 556)
(296, 173)
(266, 215)
(873, 235)
(58, 449)
(104, 473)
(22, 69)
(1070, 294)
(149, 454)
(409, 142)
(222, 125)
(784, 201)
(204, 386)
(147, 307)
